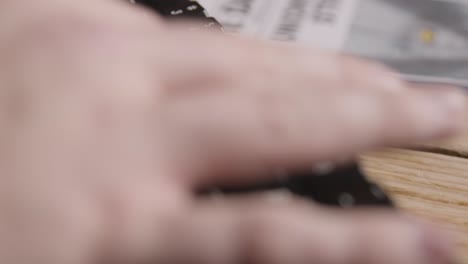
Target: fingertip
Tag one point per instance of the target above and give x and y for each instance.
(426, 113)
(448, 110)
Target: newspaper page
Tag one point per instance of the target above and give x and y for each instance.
(424, 40)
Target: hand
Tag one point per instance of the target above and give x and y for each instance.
(110, 119)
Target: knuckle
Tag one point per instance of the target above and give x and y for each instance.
(272, 115)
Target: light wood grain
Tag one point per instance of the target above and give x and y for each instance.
(426, 184)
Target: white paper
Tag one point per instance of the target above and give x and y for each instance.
(322, 23)
(424, 40)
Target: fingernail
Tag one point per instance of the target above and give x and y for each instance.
(448, 108)
(451, 101)
(439, 246)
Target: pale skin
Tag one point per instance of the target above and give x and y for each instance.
(111, 118)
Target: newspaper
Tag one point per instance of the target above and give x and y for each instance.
(423, 40)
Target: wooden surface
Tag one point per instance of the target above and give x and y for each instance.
(432, 183)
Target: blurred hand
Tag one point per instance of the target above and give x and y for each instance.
(110, 119)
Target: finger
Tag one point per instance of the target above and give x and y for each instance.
(255, 233)
(214, 62)
(325, 70)
(224, 132)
